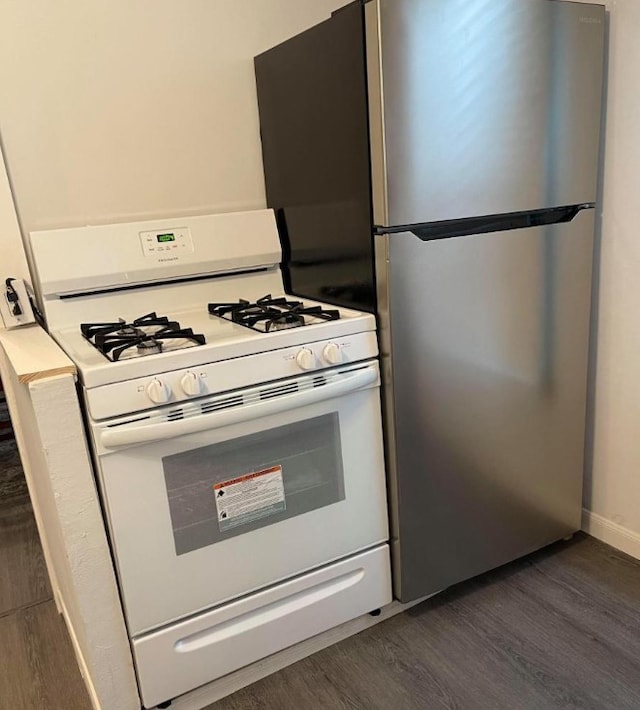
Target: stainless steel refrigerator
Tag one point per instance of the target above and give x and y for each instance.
(435, 161)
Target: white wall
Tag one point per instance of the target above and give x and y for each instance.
(13, 263)
(12, 260)
(115, 109)
(613, 485)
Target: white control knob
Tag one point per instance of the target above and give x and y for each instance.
(332, 353)
(306, 359)
(191, 384)
(158, 391)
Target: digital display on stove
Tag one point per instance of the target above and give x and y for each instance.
(166, 238)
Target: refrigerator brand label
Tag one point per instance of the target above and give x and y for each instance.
(590, 20)
(249, 497)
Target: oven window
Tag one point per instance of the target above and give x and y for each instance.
(219, 491)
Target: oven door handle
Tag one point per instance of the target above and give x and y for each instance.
(113, 438)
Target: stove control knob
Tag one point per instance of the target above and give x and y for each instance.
(158, 391)
(332, 354)
(306, 359)
(191, 384)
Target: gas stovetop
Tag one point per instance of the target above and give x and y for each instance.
(268, 314)
(152, 334)
(123, 309)
(147, 335)
(113, 349)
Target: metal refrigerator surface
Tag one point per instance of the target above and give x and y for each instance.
(486, 335)
(488, 107)
(482, 119)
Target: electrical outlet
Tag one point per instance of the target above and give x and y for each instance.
(15, 307)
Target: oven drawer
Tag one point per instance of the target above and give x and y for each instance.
(191, 653)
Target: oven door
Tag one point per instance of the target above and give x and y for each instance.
(215, 498)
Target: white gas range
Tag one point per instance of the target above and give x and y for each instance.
(236, 437)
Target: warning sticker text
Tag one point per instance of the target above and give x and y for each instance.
(246, 498)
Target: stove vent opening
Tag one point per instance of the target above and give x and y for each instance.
(225, 403)
(320, 381)
(279, 390)
(175, 414)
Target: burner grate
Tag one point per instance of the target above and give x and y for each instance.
(268, 314)
(147, 335)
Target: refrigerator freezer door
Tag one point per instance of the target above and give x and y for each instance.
(487, 107)
(486, 396)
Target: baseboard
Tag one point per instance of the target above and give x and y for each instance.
(613, 534)
(82, 665)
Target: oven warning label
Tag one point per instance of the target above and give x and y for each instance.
(247, 498)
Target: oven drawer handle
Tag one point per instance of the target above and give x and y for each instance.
(252, 620)
(114, 438)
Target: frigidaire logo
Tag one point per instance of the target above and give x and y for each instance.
(173, 258)
(590, 20)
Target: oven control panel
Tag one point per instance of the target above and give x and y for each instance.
(167, 243)
(171, 388)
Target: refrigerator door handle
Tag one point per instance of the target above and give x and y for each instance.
(448, 229)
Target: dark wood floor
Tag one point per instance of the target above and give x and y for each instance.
(38, 670)
(560, 629)
(23, 574)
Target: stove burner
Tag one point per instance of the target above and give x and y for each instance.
(144, 334)
(130, 331)
(268, 314)
(149, 344)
